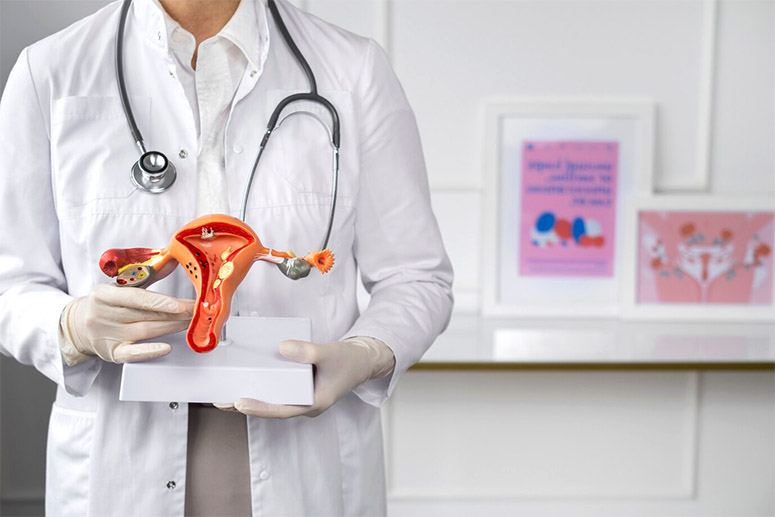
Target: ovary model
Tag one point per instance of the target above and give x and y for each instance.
(217, 252)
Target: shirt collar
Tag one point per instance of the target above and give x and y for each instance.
(243, 30)
(248, 28)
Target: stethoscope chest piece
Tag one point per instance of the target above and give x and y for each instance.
(153, 173)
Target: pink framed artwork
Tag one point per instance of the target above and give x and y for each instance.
(704, 257)
(558, 172)
(568, 208)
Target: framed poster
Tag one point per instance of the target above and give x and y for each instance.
(568, 208)
(697, 257)
(558, 174)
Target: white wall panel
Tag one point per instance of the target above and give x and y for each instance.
(543, 434)
(452, 54)
(737, 443)
(619, 436)
(743, 144)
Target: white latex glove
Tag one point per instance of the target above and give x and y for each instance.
(339, 368)
(109, 320)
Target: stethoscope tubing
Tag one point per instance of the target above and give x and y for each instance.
(334, 174)
(127, 107)
(274, 119)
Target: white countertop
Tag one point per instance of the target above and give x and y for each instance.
(548, 341)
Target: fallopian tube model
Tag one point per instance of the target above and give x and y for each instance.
(217, 252)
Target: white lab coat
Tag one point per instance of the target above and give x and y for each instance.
(65, 196)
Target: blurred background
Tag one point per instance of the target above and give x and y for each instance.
(471, 430)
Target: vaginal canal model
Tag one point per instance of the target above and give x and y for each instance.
(217, 252)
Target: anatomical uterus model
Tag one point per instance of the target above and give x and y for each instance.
(217, 252)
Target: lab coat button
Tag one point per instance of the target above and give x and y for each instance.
(183, 154)
(174, 405)
(237, 149)
(171, 485)
(263, 475)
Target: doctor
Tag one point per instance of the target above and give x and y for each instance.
(203, 77)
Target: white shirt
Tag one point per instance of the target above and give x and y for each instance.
(66, 196)
(210, 90)
(220, 65)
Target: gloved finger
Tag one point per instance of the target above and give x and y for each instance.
(137, 298)
(132, 352)
(151, 329)
(188, 305)
(300, 351)
(265, 410)
(130, 315)
(225, 406)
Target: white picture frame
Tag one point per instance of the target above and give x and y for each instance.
(508, 122)
(633, 309)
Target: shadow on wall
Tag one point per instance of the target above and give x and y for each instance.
(25, 399)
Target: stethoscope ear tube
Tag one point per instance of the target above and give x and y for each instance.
(312, 97)
(275, 121)
(130, 118)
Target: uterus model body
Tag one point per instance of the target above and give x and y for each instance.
(217, 251)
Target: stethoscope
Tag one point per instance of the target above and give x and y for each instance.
(154, 173)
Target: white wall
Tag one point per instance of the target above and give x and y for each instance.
(582, 443)
(539, 443)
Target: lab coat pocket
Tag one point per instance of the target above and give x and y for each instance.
(92, 151)
(304, 151)
(70, 437)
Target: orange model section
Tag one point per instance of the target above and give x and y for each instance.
(217, 252)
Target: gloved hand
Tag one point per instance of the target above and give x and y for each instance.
(109, 320)
(339, 368)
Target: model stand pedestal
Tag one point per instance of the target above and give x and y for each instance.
(246, 365)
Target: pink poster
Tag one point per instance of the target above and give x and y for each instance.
(568, 208)
(705, 257)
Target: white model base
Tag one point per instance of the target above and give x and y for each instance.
(246, 365)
